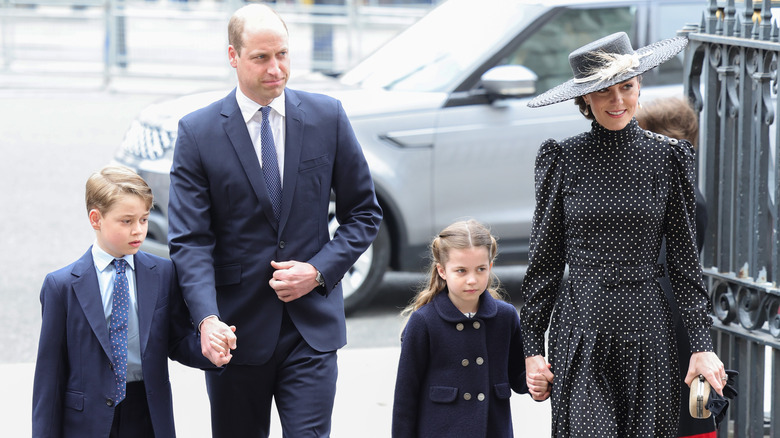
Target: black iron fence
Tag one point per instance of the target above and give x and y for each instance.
(731, 78)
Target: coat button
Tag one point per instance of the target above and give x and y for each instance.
(464, 362)
(481, 396)
(467, 396)
(459, 326)
(282, 244)
(476, 325)
(109, 402)
(480, 361)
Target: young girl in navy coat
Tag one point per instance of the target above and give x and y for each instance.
(462, 348)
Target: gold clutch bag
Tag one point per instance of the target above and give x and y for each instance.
(699, 396)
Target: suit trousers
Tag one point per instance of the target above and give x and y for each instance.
(131, 416)
(300, 380)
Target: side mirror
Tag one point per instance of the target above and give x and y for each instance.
(509, 81)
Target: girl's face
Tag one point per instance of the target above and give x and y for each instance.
(614, 107)
(467, 273)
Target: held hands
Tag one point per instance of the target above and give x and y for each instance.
(293, 279)
(216, 340)
(708, 365)
(538, 377)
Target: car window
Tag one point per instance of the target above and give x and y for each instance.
(668, 19)
(546, 52)
(437, 51)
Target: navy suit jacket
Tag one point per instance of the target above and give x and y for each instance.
(222, 231)
(74, 380)
(456, 374)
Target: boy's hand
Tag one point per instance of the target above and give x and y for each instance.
(216, 341)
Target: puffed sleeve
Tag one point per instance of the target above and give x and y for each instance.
(546, 258)
(682, 256)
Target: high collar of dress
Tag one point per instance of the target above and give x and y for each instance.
(609, 137)
(448, 312)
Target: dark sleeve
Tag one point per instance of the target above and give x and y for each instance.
(546, 258)
(190, 237)
(412, 367)
(51, 363)
(517, 357)
(183, 338)
(682, 256)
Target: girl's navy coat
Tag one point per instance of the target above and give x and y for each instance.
(456, 373)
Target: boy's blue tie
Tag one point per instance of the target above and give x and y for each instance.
(270, 162)
(118, 330)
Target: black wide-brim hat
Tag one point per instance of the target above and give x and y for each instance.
(606, 62)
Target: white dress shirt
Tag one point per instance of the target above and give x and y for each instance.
(106, 274)
(251, 112)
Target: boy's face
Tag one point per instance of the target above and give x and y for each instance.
(122, 229)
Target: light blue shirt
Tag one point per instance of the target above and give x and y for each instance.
(106, 274)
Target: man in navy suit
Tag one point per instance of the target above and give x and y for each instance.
(76, 392)
(262, 262)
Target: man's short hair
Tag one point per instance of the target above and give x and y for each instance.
(107, 185)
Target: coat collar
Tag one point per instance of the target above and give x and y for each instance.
(448, 311)
(235, 128)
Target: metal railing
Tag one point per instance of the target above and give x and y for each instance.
(102, 40)
(731, 78)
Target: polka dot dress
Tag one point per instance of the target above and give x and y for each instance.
(604, 201)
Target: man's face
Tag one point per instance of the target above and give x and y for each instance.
(263, 66)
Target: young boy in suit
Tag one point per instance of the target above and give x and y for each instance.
(110, 321)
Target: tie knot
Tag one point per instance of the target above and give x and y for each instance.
(120, 265)
(265, 110)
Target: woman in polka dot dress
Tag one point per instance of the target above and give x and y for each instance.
(604, 201)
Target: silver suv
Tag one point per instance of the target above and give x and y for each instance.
(441, 114)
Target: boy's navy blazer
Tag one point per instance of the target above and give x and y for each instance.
(74, 380)
(223, 234)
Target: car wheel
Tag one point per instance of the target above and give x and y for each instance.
(361, 281)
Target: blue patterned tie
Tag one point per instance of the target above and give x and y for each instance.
(270, 162)
(118, 330)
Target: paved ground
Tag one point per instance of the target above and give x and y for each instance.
(363, 402)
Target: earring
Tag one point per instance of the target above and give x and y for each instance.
(639, 104)
(585, 111)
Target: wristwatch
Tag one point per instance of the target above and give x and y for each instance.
(319, 279)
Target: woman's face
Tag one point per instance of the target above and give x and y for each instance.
(614, 107)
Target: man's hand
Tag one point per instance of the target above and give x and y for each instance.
(293, 280)
(538, 377)
(216, 340)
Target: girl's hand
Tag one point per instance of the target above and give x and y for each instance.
(708, 365)
(538, 377)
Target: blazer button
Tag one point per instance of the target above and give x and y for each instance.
(467, 396)
(464, 362)
(109, 402)
(282, 244)
(459, 326)
(480, 361)
(476, 325)
(481, 396)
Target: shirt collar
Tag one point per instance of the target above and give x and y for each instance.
(249, 107)
(102, 259)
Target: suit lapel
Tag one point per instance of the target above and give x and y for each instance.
(147, 289)
(295, 118)
(236, 130)
(87, 290)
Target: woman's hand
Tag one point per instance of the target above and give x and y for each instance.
(538, 377)
(708, 365)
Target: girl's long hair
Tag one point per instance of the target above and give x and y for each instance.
(460, 235)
